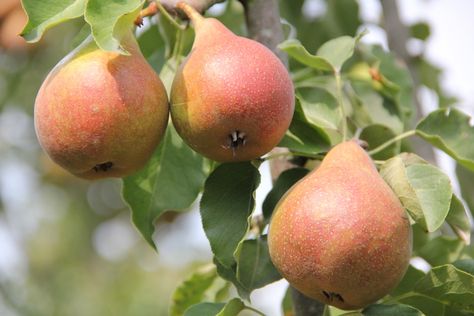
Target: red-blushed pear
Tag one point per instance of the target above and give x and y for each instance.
(232, 99)
(340, 235)
(101, 114)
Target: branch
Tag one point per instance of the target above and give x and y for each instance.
(263, 23)
(304, 306)
(397, 37)
(198, 5)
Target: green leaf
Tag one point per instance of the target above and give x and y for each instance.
(466, 265)
(109, 20)
(171, 180)
(428, 306)
(420, 30)
(441, 250)
(430, 76)
(295, 49)
(229, 274)
(304, 137)
(391, 310)
(192, 290)
(204, 309)
(450, 132)
(376, 135)
(321, 109)
(396, 72)
(232, 308)
(411, 277)
(287, 303)
(337, 51)
(423, 189)
(168, 72)
(152, 48)
(376, 108)
(254, 267)
(226, 204)
(466, 181)
(458, 220)
(449, 285)
(284, 182)
(45, 14)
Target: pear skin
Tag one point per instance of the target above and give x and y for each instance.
(340, 235)
(101, 114)
(232, 99)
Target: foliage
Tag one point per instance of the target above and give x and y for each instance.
(346, 89)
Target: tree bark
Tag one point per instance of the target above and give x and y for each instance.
(198, 5)
(263, 24)
(397, 37)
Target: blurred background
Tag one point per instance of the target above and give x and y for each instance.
(67, 246)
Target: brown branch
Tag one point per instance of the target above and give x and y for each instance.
(397, 36)
(198, 5)
(263, 23)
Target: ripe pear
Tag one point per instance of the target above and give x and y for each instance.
(101, 114)
(232, 99)
(340, 235)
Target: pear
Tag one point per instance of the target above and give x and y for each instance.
(101, 114)
(340, 235)
(232, 99)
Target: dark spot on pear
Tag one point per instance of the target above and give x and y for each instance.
(332, 295)
(103, 166)
(237, 139)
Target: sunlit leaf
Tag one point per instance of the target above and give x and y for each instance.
(451, 285)
(295, 49)
(450, 132)
(441, 250)
(192, 290)
(45, 14)
(321, 109)
(423, 189)
(110, 20)
(337, 51)
(376, 109)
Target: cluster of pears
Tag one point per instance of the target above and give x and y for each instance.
(102, 114)
(340, 235)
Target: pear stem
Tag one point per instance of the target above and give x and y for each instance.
(340, 100)
(392, 141)
(168, 16)
(195, 17)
